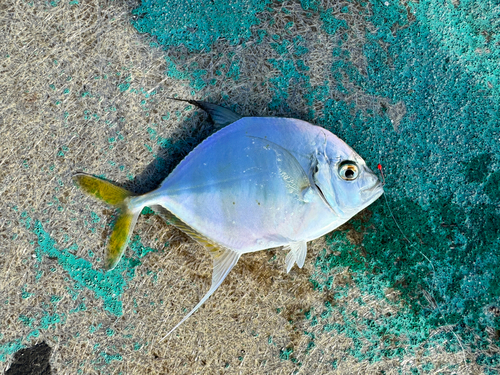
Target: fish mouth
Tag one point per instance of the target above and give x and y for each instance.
(376, 187)
(374, 191)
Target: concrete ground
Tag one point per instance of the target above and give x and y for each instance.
(408, 286)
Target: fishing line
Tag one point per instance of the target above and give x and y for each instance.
(412, 244)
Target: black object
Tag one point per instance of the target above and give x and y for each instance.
(31, 361)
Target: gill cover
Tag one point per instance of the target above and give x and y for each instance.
(322, 176)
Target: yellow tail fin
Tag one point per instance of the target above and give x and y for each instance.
(117, 197)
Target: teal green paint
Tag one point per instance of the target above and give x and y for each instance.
(285, 353)
(281, 48)
(26, 320)
(80, 307)
(9, 348)
(124, 86)
(55, 299)
(482, 243)
(234, 70)
(330, 23)
(95, 218)
(95, 328)
(25, 294)
(49, 321)
(35, 333)
(147, 211)
(492, 187)
(477, 169)
(468, 33)
(281, 84)
(457, 99)
(299, 48)
(170, 24)
(413, 323)
(173, 22)
(189, 73)
(108, 358)
(107, 286)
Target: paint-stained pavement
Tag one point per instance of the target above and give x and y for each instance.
(408, 286)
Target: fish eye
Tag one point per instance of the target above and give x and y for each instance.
(348, 170)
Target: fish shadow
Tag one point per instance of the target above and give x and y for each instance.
(170, 153)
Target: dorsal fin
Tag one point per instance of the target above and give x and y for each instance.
(221, 116)
(224, 259)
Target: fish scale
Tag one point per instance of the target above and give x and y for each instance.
(257, 183)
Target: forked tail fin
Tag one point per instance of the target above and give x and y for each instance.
(127, 217)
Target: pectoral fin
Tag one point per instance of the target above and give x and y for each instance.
(289, 168)
(297, 254)
(226, 259)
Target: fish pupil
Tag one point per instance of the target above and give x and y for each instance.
(349, 173)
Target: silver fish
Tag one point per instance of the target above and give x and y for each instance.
(258, 183)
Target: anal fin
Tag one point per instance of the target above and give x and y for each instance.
(224, 263)
(224, 259)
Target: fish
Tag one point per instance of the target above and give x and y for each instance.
(256, 183)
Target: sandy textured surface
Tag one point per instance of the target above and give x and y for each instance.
(413, 86)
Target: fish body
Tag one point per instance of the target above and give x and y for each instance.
(258, 183)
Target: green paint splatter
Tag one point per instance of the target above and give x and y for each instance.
(285, 353)
(107, 286)
(25, 294)
(9, 348)
(197, 25)
(26, 320)
(108, 358)
(95, 218)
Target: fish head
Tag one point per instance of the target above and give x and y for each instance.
(343, 179)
